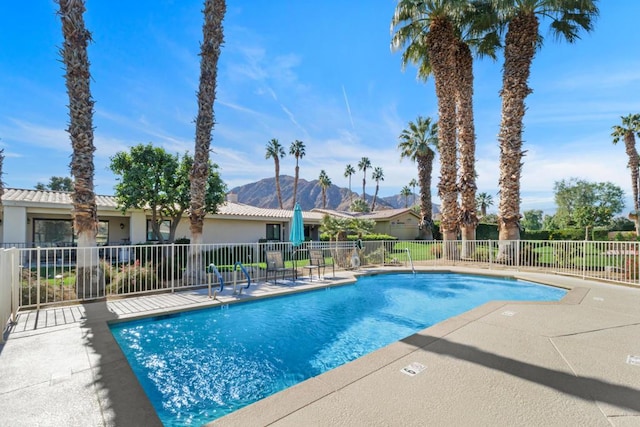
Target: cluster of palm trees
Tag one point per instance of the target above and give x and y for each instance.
(275, 151)
(377, 175)
(440, 37)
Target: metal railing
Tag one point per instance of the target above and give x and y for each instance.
(45, 276)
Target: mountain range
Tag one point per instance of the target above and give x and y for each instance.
(263, 194)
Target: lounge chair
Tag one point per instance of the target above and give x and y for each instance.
(275, 265)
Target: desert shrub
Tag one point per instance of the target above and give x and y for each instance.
(134, 278)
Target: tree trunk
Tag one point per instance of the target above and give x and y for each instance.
(278, 192)
(295, 186)
(632, 153)
(425, 167)
(441, 46)
(467, 217)
(375, 196)
(520, 45)
(213, 37)
(78, 77)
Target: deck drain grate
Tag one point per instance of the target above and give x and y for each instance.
(633, 360)
(598, 299)
(413, 369)
(509, 313)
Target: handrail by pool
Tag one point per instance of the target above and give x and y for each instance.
(213, 269)
(410, 260)
(246, 273)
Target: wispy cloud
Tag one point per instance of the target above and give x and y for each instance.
(346, 101)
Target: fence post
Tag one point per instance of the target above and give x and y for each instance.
(173, 267)
(584, 259)
(38, 278)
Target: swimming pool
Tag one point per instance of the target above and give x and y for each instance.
(200, 365)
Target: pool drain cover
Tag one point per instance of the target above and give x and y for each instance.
(633, 360)
(413, 369)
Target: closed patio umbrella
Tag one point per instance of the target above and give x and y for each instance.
(296, 235)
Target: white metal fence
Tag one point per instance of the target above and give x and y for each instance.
(9, 287)
(44, 276)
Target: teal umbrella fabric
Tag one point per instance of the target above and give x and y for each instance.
(296, 235)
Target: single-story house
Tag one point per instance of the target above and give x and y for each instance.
(32, 218)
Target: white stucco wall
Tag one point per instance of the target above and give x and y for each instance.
(14, 224)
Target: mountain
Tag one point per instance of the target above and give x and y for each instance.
(263, 194)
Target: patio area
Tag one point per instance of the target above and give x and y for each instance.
(576, 362)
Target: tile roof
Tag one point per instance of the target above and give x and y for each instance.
(50, 197)
(40, 197)
(377, 215)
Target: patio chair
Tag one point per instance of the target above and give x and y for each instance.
(317, 260)
(275, 265)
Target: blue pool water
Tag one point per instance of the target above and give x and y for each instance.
(200, 365)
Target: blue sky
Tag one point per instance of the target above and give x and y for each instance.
(321, 72)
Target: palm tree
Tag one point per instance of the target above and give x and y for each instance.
(377, 176)
(348, 171)
(406, 192)
(78, 77)
(297, 150)
(413, 184)
(416, 142)
(212, 39)
(521, 40)
(484, 200)
(276, 152)
(628, 131)
(325, 182)
(363, 165)
(427, 28)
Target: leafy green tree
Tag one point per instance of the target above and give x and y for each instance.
(575, 199)
(152, 179)
(377, 176)
(549, 222)
(359, 205)
(405, 192)
(56, 183)
(532, 219)
(621, 224)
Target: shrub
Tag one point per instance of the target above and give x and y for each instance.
(134, 278)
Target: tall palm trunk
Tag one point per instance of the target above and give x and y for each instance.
(295, 184)
(632, 153)
(375, 196)
(78, 77)
(467, 218)
(277, 165)
(213, 38)
(364, 183)
(425, 167)
(630, 147)
(520, 46)
(441, 45)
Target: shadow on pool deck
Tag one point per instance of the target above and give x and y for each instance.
(115, 384)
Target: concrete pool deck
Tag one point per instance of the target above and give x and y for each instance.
(576, 362)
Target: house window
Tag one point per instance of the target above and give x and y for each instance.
(52, 232)
(165, 226)
(273, 232)
(60, 232)
(102, 238)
